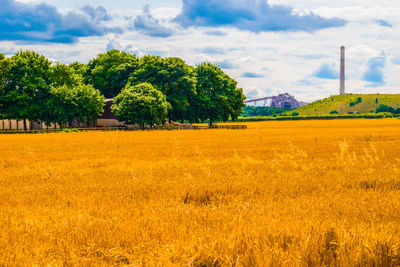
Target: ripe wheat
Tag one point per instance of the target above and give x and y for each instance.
(302, 193)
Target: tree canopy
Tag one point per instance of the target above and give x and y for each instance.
(251, 111)
(109, 72)
(174, 78)
(65, 75)
(150, 88)
(38, 91)
(28, 86)
(70, 98)
(142, 104)
(218, 98)
(4, 68)
(81, 102)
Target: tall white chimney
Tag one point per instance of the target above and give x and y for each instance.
(342, 70)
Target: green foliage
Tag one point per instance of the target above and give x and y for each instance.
(385, 108)
(109, 72)
(4, 69)
(218, 98)
(60, 107)
(319, 117)
(295, 113)
(334, 112)
(28, 86)
(70, 99)
(251, 111)
(142, 104)
(174, 78)
(81, 69)
(31, 88)
(37, 91)
(89, 101)
(82, 102)
(70, 130)
(62, 74)
(340, 103)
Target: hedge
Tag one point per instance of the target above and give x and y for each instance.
(320, 117)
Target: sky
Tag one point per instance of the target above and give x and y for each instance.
(269, 47)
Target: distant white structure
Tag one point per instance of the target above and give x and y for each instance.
(281, 101)
(342, 70)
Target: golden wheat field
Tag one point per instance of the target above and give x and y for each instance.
(301, 193)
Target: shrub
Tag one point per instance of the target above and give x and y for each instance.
(356, 101)
(142, 104)
(385, 108)
(322, 117)
(70, 130)
(334, 112)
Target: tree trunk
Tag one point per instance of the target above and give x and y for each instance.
(24, 124)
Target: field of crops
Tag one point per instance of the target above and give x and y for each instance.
(294, 193)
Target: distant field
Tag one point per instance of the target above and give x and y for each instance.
(291, 193)
(342, 104)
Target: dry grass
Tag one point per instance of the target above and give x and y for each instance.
(299, 193)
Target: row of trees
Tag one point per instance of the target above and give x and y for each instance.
(33, 88)
(198, 93)
(251, 111)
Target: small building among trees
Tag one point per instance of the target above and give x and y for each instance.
(107, 119)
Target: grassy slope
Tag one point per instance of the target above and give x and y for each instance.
(342, 104)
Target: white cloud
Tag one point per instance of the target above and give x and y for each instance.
(286, 60)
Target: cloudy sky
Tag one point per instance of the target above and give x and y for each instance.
(269, 47)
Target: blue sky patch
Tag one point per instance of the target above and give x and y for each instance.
(252, 75)
(327, 71)
(374, 72)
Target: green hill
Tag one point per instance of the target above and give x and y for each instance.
(349, 103)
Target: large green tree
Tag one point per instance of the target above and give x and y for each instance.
(80, 102)
(69, 98)
(4, 68)
(174, 78)
(28, 86)
(218, 97)
(109, 72)
(60, 107)
(142, 104)
(90, 102)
